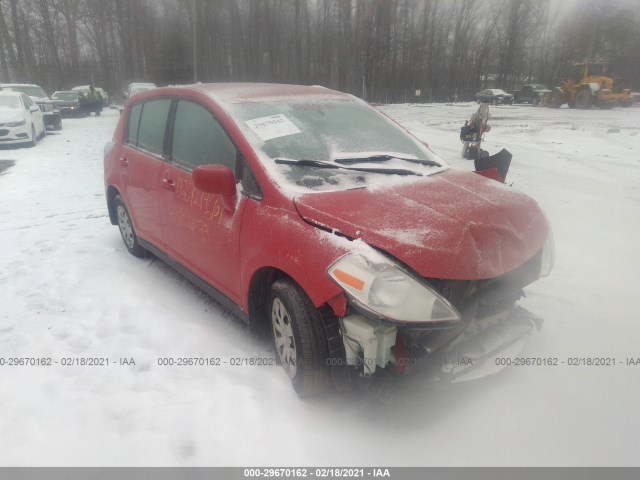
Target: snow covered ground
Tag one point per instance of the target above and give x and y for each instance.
(69, 289)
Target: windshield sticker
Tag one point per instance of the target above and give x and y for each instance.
(273, 126)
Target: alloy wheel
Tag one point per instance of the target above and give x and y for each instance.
(283, 335)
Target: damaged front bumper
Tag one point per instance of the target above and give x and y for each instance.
(478, 350)
(474, 349)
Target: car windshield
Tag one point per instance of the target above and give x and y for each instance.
(65, 96)
(11, 102)
(33, 91)
(294, 138)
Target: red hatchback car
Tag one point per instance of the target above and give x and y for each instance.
(323, 223)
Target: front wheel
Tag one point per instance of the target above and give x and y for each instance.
(299, 338)
(32, 141)
(126, 229)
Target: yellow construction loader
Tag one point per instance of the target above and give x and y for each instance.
(598, 90)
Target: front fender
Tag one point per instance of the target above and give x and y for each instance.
(292, 246)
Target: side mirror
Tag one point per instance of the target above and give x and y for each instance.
(219, 180)
(34, 108)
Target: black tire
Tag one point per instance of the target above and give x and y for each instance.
(127, 231)
(32, 142)
(583, 100)
(299, 337)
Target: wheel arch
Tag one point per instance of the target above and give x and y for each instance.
(258, 292)
(258, 298)
(112, 192)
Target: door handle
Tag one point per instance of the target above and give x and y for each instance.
(168, 184)
(124, 162)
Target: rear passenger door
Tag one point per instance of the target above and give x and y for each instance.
(141, 164)
(199, 231)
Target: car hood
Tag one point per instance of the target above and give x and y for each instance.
(8, 116)
(63, 103)
(452, 225)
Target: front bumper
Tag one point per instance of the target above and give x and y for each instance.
(12, 135)
(70, 111)
(485, 347)
(51, 118)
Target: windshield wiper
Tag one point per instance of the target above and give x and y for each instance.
(320, 164)
(384, 158)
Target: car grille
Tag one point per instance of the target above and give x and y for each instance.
(490, 296)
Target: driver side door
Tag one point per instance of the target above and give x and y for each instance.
(199, 231)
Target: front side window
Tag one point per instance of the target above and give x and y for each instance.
(198, 139)
(153, 122)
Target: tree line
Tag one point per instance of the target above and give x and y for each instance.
(382, 50)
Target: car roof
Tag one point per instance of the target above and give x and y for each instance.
(4, 93)
(20, 85)
(83, 87)
(64, 91)
(264, 92)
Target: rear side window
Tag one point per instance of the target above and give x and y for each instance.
(153, 122)
(198, 139)
(134, 122)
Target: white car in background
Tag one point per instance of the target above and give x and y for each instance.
(137, 87)
(37, 94)
(21, 120)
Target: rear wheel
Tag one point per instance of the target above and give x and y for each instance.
(126, 229)
(554, 99)
(299, 338)
(583, 99)
(465, 148)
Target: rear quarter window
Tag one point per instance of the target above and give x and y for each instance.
(133, 123)
(153, 123)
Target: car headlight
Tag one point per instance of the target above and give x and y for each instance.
(380, 286)
(548, 255)
(17, 123)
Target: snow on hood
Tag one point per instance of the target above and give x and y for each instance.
(8, 115)
(453, 225)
